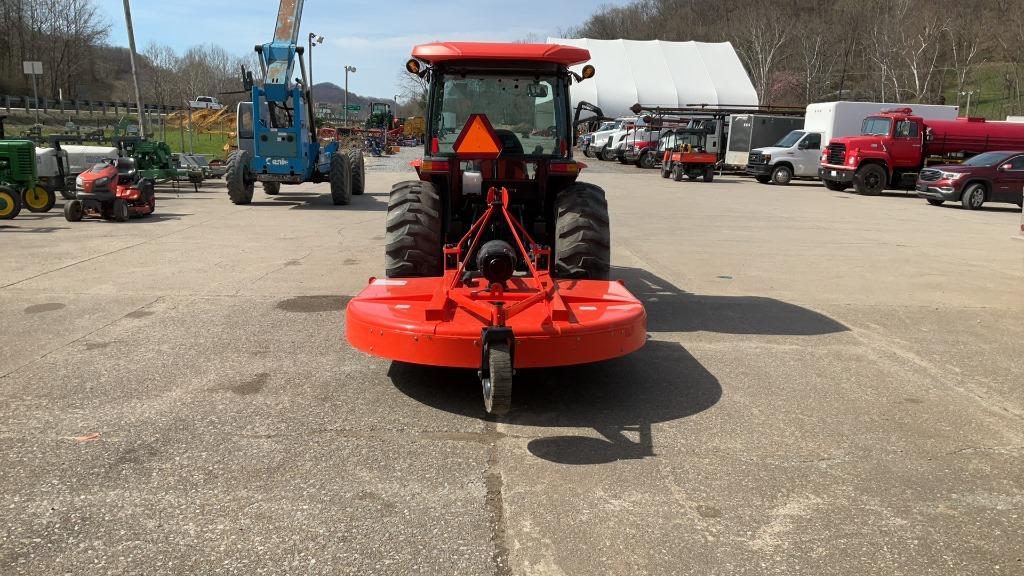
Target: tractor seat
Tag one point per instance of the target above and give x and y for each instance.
(126, 169)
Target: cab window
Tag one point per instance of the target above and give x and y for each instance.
(906, 129)
(812, 142)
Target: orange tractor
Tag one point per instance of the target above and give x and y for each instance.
(684, 153)
(497, 257)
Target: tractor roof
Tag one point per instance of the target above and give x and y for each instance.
(449, 51)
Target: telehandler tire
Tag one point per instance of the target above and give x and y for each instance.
(240, 182)
(341, 180)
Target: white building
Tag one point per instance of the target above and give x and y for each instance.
(659, 73)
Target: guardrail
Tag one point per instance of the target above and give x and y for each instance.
(76, 106)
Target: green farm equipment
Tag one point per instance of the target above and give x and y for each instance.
(17, 175)
(155, 160)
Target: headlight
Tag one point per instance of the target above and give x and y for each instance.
(79, 183)
(953, 175)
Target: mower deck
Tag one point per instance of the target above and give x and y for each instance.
(566, 322)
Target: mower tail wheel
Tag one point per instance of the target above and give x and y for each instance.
(73, 211)
(271, 188)
(38, 199)
(238, 178)
(120, 210)
(497, 384)
(341, 180)
(355, 160)
(413, 237)
(582, 233)
(10, 203)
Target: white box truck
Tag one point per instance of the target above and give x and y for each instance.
(798, 154)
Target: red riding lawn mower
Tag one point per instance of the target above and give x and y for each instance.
(497, 258)
(112, 189)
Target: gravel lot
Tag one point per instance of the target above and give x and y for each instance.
(832, 385)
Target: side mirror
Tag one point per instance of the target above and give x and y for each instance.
(537, 90)
(803, 145)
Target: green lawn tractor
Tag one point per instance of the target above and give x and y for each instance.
(18, 182)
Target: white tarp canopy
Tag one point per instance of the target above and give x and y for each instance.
(659, 73)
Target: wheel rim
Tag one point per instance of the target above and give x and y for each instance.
(780, 177)
(977, 197)
(36, 198)
(6, 204)
(871, 179)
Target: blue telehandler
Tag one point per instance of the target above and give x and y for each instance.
(277, 133)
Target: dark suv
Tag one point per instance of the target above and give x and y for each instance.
(987, 177)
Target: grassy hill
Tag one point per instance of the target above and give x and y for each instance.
(990, 98)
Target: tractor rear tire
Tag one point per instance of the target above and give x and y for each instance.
(413, 237)
(582, 233)
(647, 160)
(271, 188)
(238, 178)
(10, 203)
(355, 160)
(38, 199)
(341, 180)
(870, 180)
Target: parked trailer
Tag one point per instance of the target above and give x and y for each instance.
(750, 131)
(896, 144)
(798, 154)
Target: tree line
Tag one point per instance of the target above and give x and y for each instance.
(70, 38)
(802, 51)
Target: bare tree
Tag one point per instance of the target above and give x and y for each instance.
(761, 46)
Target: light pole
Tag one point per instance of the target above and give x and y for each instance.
(348, 69)
(131, 58)
(314, 40)
(968, 93)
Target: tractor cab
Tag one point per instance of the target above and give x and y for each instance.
(498, 116)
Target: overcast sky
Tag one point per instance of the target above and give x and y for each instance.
(375, 37)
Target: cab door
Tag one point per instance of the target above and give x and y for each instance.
(906, 144)
(808, 155)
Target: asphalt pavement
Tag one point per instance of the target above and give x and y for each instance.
(831, 385)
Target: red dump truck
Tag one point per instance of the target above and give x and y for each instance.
(895, 145)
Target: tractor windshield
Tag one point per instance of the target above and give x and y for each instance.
(523, 110)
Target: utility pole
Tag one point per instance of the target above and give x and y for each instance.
(131, 58)
(348, 69)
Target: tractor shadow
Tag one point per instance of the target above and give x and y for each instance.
(619, 399)
(671, 309)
